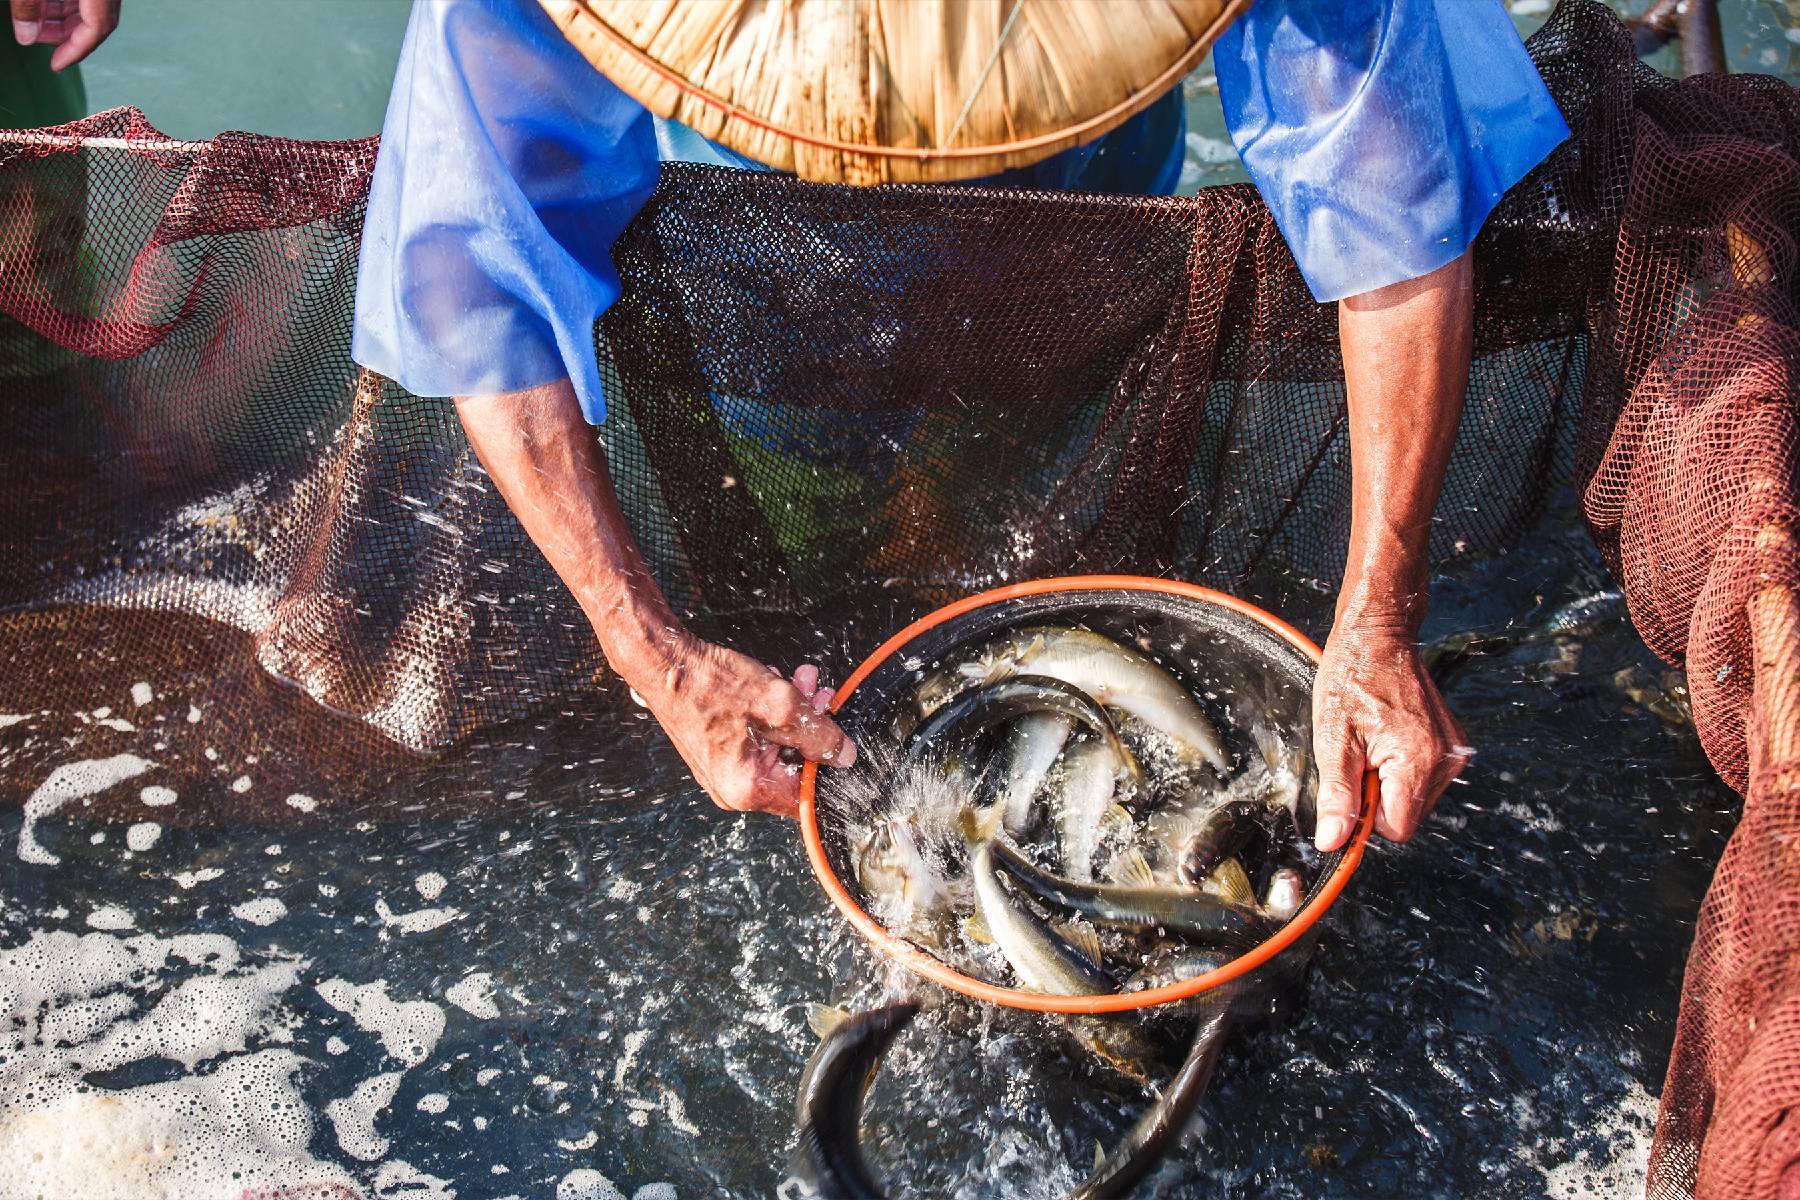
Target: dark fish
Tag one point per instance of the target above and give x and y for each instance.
(1140, 905)
(829, 1111)
(1160, 1128)
(1246, 830)
(964, 719)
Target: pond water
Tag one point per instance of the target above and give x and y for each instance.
(546, 954)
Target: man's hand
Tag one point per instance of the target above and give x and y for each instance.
(74, 27)
(1376, 709)
(730, 717)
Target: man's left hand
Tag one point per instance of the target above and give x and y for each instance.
(1376, 709)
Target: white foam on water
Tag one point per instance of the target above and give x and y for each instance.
(193, 715)
(656, 1191)
(142, 693)
(302, 802)
(8, 719)
(225, 1134)
(241, 784)
(73, 1003)
(71, 781)
(118, 723)
(201, 1019)
(474, 995)
(1613, 1155)
(335, 1045)
(353, 1116)
(264, 910)
(143, 835)
(398, 1179)
(187, 880)
(585, 1183)
(430, 885)
(422, 920)
(433, 1102)
(158, 796)
(111, 916)
(409, 1030)
(486, 1076)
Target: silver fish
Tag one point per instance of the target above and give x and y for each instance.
(1033, 744)
(1084, 804)
(1042, 960)
(1114, 675)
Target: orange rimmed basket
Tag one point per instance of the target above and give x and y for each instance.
(1125, 600)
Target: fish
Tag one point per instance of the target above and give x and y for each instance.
(833, 1088)
(1223, 833)
(964, 719)
(1160, 1128)
(1085, 806)
(891, 869)
(1285, 893)
(1043, 960)
(1033, 744)
(1114, 675)
(1137, 902)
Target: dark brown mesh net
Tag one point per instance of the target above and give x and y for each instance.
(816, 393)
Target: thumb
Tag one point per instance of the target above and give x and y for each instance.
(1341, 764)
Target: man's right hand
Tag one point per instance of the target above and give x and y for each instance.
(730, 717)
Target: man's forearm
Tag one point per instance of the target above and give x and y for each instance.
(1406, 361)
(547, 462)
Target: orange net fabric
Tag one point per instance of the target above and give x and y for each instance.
(817, 394)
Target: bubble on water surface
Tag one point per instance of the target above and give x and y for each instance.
(265, 910)
(71, 781)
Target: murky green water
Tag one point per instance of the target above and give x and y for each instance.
(543, 962)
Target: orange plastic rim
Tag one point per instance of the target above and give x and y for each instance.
(939, 972)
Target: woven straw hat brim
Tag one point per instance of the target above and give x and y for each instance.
(895, 91)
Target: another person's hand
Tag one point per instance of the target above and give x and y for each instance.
(730, 716)
(74, 27)
(1376, 708)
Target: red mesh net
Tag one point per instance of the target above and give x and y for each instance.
(820, 393)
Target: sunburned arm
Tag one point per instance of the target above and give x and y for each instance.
(727, 714)
(1406, 361)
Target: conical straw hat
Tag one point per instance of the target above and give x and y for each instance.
(895, 91)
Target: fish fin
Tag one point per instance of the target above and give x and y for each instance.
(1099, 1158)
(1117, 816)
(1230, 880)
(975, 928)
(823, 1018)
(1082, 938)
(981, 825)
(1132, 869)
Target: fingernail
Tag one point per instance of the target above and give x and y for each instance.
(25, 32)
(847, 757)
(1330, 832)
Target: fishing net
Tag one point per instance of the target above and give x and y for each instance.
(817, 393)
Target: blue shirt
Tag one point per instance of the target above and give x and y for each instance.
(1381, 133)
